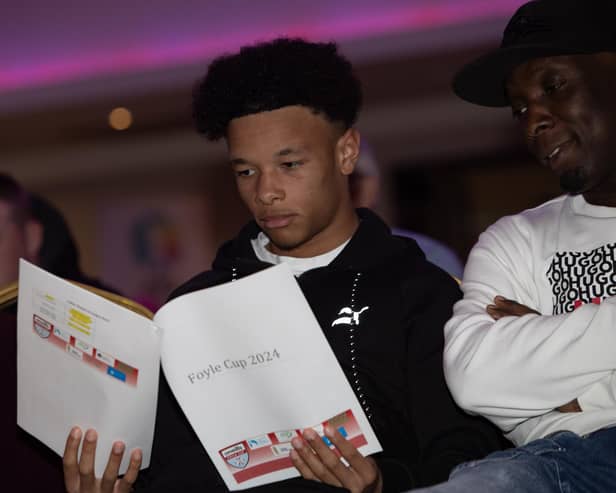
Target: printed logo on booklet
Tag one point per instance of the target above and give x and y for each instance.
(236, 456)
(264, 454)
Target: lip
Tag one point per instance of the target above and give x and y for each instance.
(275, 221)
(556, 155)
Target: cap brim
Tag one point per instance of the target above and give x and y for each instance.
(483, 80)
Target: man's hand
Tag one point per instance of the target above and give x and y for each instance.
(503, 307)
(316, 461)
(571, 407)
(79, 475)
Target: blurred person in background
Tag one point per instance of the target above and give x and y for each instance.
(33, 229)
(36, 468)
(366, 186)
(20, 235)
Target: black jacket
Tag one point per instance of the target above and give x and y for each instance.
(392, 359)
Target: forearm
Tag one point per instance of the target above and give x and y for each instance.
(520, 367)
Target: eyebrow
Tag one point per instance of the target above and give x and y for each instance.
(287, 151)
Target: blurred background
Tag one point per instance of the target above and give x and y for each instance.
(95, 116)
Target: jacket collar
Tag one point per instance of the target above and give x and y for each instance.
(370, 245)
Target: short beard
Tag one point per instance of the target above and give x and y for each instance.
(573, 181)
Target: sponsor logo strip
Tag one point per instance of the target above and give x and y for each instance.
(85, 352)
(267, 453)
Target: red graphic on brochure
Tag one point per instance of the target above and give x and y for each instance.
(85, 352)
(269, 453)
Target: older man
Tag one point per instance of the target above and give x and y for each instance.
(531, 345)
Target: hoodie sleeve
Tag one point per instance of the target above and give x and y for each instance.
(446, 435)
(516, 368)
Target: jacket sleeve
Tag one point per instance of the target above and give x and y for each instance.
(445, 434)
(521, 367)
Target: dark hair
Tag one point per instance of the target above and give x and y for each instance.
(272, 75)
(12, 193)
(58, 252)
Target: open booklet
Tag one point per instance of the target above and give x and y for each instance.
(84, 360)
(250, 367)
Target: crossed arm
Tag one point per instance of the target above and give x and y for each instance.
(503, 307)
(555, 358)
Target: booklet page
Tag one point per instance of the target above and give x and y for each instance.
(84, 360)
(251, 368)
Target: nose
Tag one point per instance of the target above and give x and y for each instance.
(269, 188)
(539, 119)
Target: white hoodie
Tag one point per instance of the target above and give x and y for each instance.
(559, 259)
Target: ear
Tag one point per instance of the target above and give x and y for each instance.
(33, 232)
(347, 150)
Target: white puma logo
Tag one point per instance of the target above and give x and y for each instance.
(352, 320)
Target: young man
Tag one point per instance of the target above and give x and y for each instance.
(286, 110)
(531, 345)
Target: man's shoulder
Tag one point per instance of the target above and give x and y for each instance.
(529, 220)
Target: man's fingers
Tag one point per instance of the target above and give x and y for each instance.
(309, 449)
(494, 312)
(79, 474)
(330, 460)
(125, 485)
(87, 480)
(69, 461)
(503, 307)
(360, 464)
(512, 305)
(301, 466)
(570, 407)
(113, 465)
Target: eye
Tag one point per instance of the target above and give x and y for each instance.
(291, 164)
(519, 112)
(244, 172)
(554, 86)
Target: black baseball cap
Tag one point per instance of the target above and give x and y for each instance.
(539, 28)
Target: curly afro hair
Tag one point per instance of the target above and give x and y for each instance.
(272, 75)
